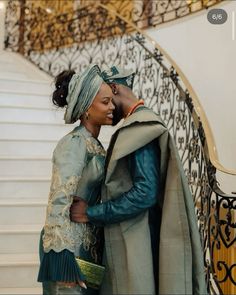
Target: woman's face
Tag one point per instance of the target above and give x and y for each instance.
(101, 110)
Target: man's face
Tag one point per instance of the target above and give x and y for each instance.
(117, 112)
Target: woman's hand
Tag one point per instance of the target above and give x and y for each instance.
(78, 210)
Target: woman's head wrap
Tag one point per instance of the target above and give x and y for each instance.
(81, 93)
(119, 76)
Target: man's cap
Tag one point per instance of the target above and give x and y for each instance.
(119, 75)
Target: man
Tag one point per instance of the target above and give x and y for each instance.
(147, 209)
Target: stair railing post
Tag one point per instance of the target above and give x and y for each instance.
(2, 23)
(22, 27)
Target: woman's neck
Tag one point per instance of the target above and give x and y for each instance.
(93, 129)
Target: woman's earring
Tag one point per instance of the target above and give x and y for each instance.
(114, 90)
(87, 116)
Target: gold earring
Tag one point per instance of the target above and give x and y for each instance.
(114, 90)
(87, 116)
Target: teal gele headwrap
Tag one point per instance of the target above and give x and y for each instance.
(81, 93)
(119, 76)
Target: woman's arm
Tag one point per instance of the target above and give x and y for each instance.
(58, 262)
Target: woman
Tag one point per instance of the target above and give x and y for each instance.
(78, 168)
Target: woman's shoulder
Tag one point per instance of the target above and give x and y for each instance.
(93, 146)
(71, 140)
(80, 138)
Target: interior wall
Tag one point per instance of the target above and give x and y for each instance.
(206, 55)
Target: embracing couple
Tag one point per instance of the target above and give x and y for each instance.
(129, 209)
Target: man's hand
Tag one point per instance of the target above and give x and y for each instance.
(78, 210)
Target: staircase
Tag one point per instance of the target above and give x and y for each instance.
(30, 127)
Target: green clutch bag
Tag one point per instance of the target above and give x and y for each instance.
(93, 272)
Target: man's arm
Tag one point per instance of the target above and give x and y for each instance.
(144, 165)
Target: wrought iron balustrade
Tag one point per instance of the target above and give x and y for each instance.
(149, 13)
(95, 34)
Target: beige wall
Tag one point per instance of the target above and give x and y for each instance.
(206, 54)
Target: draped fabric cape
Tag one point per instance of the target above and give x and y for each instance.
(127, 244)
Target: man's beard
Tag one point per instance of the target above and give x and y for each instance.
(117, 115)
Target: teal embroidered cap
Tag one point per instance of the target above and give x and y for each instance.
(119, 76)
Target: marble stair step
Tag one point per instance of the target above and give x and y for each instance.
(19, 270)
(23, 166)
(25, 187)
(21, 291)
(20, 239)
(22, 211)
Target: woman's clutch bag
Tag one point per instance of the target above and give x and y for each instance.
(93, 272)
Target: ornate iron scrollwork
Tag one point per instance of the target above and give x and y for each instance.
(97, 36)
(149, 13)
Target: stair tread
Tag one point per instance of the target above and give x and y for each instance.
(21, 291)
(20, 228)
(28, 140)
(26, 107)
(37, 123)
(24, 65)
(21, 202)
(19, 259)
(27, 80)
(25, 158)
(26, 178)
(13, 91)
